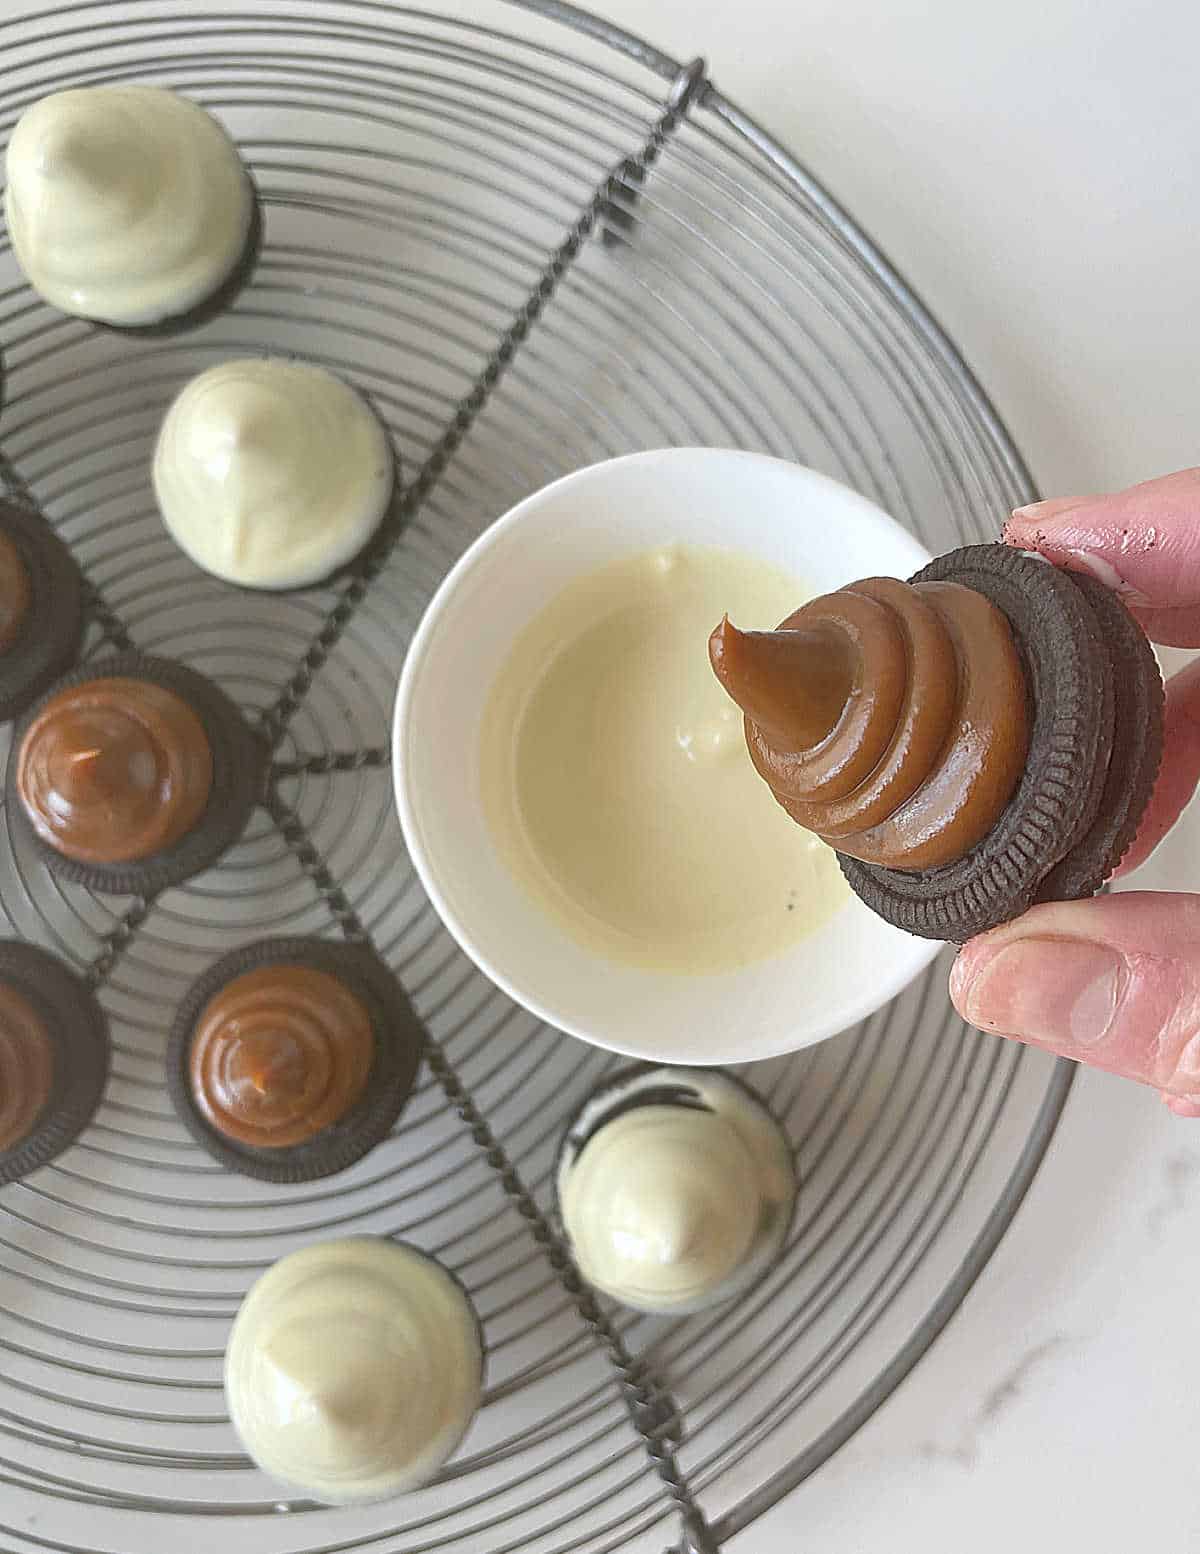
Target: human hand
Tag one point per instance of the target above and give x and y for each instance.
(1115, 982)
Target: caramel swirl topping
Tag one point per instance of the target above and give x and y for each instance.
(15, 593)
(890, 718)
(26, 1066)
(279, 1054)
(114, 770)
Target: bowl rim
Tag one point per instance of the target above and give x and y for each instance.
(900, 971)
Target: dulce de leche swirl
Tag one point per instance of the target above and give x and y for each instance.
(26, 1064)
(114, 770)
(279, 1054)
(15, 593)
(890, 718)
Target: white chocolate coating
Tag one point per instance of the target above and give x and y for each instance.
(270, 473)
(353, 1369)
(676, 1207)
(127, 204)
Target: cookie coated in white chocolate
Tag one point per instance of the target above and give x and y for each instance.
(125, 204)
(271, 473)
(676, 1188)
(353, 1369)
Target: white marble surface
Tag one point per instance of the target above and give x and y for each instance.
(1032, 168)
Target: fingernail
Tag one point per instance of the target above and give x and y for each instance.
(1037, 511)
(1104, 572)
(1062, 993)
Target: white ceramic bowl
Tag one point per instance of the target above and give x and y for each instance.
(783, 513)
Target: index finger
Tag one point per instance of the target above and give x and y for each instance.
(1143, 542)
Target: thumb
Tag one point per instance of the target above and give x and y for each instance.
(1113, 982)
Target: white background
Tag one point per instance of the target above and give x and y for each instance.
(1033, 166)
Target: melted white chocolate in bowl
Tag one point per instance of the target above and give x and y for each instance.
(615, 776)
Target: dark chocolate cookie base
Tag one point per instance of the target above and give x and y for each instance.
(49, 639)
(1136, 754)
(239, 766)
(78, 1030)
(399, 1041)
(1095, 745)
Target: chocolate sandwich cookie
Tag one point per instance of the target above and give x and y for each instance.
(53, 1057)
(1136, 754)
(41, 607)
(291, 1058)
(134, 773)
(980, 738)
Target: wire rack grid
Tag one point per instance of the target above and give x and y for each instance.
(416, 170)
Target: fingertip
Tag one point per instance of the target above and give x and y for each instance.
(1025, 521)
(1182, 1105)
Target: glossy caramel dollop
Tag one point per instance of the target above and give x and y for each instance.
(15, 593)
(890, 718)
(279, 1054)
(114, 770)
(26, 1066)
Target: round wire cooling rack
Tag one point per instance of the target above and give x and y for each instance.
(534, 242)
